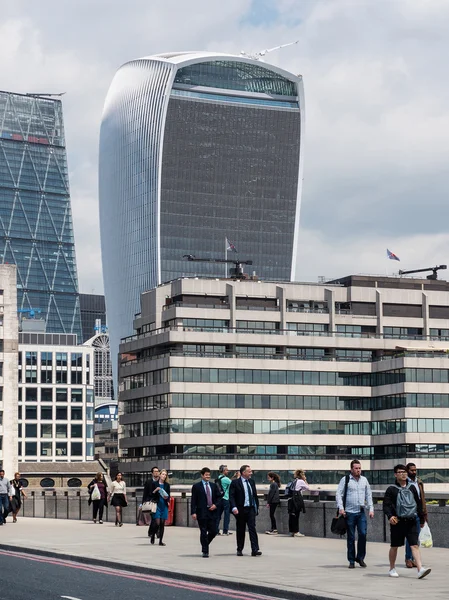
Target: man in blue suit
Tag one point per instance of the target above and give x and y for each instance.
(245, 506)
(203, 508)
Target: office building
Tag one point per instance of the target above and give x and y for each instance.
(287, 375)
(56, 398)
(36, 229)
(93, 309)
(197, 148)
(8, 369)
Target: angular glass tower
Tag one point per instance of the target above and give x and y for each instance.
(36, 230)
(196, 148)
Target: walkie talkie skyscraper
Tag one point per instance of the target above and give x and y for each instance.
(196, 147)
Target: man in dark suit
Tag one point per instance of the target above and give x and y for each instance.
(245, 506)
(203, 508)
(148, 494)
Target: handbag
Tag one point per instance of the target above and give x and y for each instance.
(339, 525)
(150, 506)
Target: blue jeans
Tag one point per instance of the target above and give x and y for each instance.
(356, 521)
(408, 550)
(225, 508)
(4, 507)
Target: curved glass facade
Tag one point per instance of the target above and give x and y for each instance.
(182, 170)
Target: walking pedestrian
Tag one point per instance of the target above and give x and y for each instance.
(402, 505)
(224, 482)
(204, 503)
(148, 492)
(117, 497)
(5, 497)
(273, 500)
(412, 477)
(245, 506)
(353, 496)
(98, 492)
(162, 492)
(295, 505)
(16, 496)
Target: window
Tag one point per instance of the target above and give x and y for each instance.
(30, 448)
(46, 449)
(46, 413)
(74, 482)
(76, 359)
(61, 376)
(46, 359)
(31, 412)
(76, 377)
(61, 395)
(46, 431)
(30, 394)
(47, 482)
(61, 413)
(46, 394)
(61, 359)
(77, 431)
(76, 448)
(61, 431)
(77, 395)
(61, 448)
(31, 358)
(77, 413)
(31, 431)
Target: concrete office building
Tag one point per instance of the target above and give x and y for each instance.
(36, 229)
(288, 375)
(8, 369)
(56, 398)
(196, 147)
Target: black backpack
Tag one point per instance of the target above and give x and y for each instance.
(220, 490)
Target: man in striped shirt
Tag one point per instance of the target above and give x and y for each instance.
(358, 498)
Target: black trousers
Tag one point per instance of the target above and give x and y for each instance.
(293, 522)
(208, 530)
(98, 507)
(273, 508)
(246, 517)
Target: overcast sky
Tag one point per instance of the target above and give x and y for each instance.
(377, 109)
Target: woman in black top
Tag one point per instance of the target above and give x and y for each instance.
(273, 500)
(17, 493)
(98, 503)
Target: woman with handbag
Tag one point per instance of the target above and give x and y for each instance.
(117, 497)
(295, 503)
(162, 493)
(16, 496)
(98, 492)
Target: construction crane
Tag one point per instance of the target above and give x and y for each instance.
(259, 55)
(433, 275)
(236, 272)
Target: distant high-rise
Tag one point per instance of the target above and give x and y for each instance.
(36, 230)
(196, 148)
(92, 308)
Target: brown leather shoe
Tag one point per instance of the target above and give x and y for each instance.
(409, 564)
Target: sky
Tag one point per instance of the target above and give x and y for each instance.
(376, 151)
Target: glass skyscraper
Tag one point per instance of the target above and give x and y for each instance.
(196, 148)
(36, 230)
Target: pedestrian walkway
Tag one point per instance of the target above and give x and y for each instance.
(316, 567)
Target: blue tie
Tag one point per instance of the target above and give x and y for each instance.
(250, 494)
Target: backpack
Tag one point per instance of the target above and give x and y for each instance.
(406, 504)
(220, 490)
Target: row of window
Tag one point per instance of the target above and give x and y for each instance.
(284, 427)
(47, 413)
(31, 375)
(60, 449)
(60, 431)
(48, 359)
(48, 482)
(248, 451)
(280, 377)
(75, 395)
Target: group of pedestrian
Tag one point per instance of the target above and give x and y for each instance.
(157, 492)
(403, 504)
(11, 494)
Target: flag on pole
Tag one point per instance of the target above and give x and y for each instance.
(392, 256)
(230, 246)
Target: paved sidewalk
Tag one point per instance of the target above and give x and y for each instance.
(316, 567)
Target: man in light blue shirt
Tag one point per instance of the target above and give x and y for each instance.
(358, 498)
(5, 496)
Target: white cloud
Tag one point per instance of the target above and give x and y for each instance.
(377, 116)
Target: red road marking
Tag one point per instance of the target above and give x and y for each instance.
(197, 587)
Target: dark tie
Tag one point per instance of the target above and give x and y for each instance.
(208, 495)
(250, 494)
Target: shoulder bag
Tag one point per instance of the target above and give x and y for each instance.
(339, 525)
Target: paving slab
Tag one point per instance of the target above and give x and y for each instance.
(310, 567)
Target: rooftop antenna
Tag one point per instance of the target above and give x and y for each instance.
(433, 275)
(259, 55)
